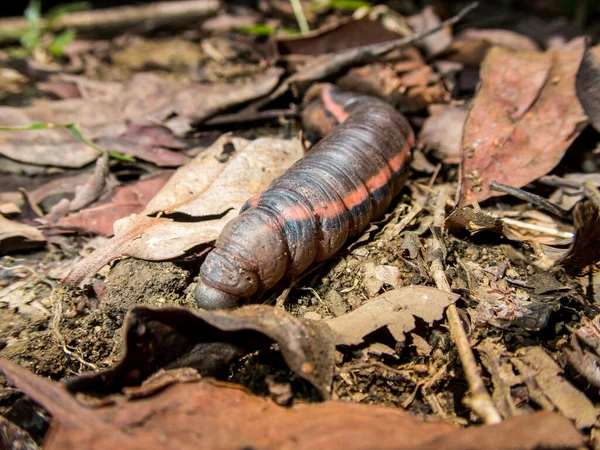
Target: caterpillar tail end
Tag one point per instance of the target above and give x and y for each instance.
(210, 298)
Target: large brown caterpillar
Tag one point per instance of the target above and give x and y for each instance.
(349, 178)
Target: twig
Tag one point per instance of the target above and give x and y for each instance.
(529, 197)
(481, 401)
(539, 228)
(300, 17)
(116, 20)
(553, 180)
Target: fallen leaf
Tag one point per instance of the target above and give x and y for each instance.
(126, 200)
(145, 100)
(585, 250)
(571, 402)
(523, 118)
(583, 351)
(210, 341)
(472, 45)
(179, 411)
(466, 218)
(18, 236)
(346, 33)
(442, 132)
(588, 84)
(395, 310)
(208, 191)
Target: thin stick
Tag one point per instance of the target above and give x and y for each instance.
(537, 200)
(480, 402)
(117, 20)
(300, 17)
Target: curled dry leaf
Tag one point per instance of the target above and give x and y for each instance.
(396, 310)
(205, 194)
(146, 99)
(588, 84)
(585, 250)
(523, 118)
(100, 217)
(18, 236)
(184, 413)
(210, 341)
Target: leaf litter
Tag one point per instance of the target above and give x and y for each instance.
(517, 279)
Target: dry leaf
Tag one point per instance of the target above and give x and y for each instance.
(588, 84)
(209, 190)
(571, 402)
(442, 132)
(18, 236)
(176, 411)
(395, 310)
(471, 46)
(125, 200)
(210, 341)
(146, 99)
(523, 119)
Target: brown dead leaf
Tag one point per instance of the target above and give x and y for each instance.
(210, 341)
(347, 33)
(442, 132)
(395, 310)
(185, 413)
(125, 200)
(588, 84)
(571, 402)
(471, 46)
(585, 250)
(524, 117)
(208, 191)
(145, 100)
(466, 218)
(18, 236)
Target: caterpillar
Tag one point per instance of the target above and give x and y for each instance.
(347, 179)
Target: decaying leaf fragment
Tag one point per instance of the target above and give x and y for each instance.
(184, 413)
(210, 341)
(204, 194)
(523, 118)
(395, 310)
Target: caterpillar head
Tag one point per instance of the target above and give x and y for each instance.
(223, 280)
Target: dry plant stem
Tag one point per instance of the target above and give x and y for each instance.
(480, 402)
(114, 20)
(538, 228)
(541, 202)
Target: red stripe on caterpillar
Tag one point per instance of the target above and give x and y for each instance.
(346, 180)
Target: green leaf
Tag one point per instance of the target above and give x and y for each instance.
(31, 38)
(344, 5)
(258, 30)
(59, 42)
(33, 13)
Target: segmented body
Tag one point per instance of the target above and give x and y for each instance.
(348, 179)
